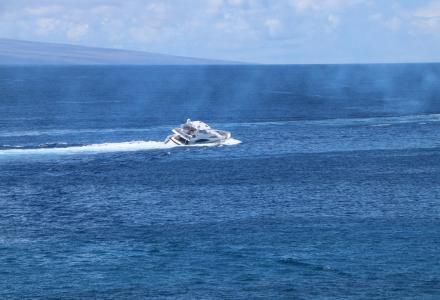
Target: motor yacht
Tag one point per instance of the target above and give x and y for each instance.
(197, 132)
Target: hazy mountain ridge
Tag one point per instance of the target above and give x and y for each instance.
(17, 52)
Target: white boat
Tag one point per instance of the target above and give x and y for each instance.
(197, 132)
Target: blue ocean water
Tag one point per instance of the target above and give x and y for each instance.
(332, 193)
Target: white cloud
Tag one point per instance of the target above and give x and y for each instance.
(47, 25)
(43, 10)
(426, 19)
(426, 26)
(144, 34)
(324, 5)
(236, 2)
(102, 10)
(77, 31)
(157, 8)
(214, 6)
(431, 10)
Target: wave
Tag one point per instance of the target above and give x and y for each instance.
(57, 132)
(381, 125)
(290, 261)
(105, 147)
(382, 121)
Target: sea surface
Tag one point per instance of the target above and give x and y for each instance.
(330, 191)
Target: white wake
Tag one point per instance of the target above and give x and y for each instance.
(109, 147)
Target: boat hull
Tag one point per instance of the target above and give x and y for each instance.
(197, 133)
(182, 141)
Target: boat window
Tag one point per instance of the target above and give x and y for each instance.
(182, 140)
(202, 141)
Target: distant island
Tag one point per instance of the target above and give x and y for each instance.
(17, 52)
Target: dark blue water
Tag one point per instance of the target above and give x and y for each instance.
(332, 193)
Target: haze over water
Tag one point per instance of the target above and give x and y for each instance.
(332, 192)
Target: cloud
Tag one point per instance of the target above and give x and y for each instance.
(324, 5)
(248, 30)
(431, 10)
(43, 10)
(47, 25)
(214, 6)
(77, 31)
(426, 19)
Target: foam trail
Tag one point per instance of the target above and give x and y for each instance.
(231, 142)
(228, 142)
(106, 147)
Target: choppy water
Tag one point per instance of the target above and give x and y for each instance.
(333, 191)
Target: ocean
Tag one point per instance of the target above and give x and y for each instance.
(330, 191)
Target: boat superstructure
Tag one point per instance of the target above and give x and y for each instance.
(197, 132)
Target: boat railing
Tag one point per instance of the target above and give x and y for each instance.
(182, 133)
